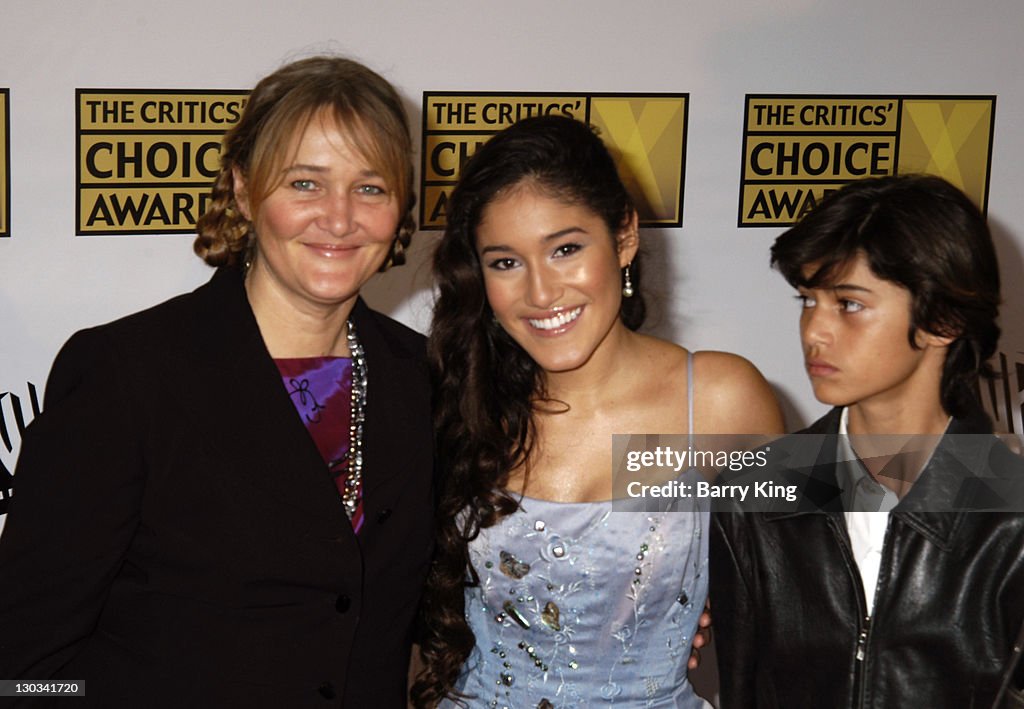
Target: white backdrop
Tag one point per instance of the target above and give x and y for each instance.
(712, 288)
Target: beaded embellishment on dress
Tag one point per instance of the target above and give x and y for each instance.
(586, 605)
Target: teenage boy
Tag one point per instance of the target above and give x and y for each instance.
(891, 582)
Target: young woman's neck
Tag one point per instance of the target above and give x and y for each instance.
(610, 367)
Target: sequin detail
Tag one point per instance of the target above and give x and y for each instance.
(595, 620)
(513, 567)
(515, 615)
(550, 616)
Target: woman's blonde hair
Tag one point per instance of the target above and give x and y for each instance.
(368, 111)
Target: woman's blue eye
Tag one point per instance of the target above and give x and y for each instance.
(304, 185)
(806, 301)
(850, 306)
(372, 190)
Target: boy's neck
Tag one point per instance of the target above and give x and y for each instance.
(895, 443)
(880, 419)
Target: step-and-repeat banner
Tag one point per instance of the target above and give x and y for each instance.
(108, 148)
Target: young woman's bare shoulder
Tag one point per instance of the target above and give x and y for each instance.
(732, 396)
(661, 356)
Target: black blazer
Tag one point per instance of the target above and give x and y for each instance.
(174, 538)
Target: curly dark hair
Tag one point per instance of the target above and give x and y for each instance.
(487, 386)
(921, 233)
(365, 106)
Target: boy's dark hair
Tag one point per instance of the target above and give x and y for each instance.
(921, 233)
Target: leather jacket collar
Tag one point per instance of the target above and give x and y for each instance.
(948, 488)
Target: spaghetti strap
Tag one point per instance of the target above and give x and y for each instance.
(689, 394)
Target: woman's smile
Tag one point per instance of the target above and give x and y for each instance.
(558, 323)
(552, 272)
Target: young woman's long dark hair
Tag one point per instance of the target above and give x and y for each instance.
(486, 385)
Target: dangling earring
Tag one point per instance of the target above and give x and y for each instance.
(627, 285)
(249, 254)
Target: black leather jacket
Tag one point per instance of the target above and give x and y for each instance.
(789, 606)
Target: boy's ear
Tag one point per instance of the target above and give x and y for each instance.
(930, 339)
(628, 240)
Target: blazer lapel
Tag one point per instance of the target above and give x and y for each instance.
(247, 409)
(394, 377)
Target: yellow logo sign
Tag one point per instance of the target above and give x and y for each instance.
(797, 149)
(645, 133)
(147, 158)
(5, 164)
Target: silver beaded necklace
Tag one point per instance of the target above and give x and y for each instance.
(354, 457)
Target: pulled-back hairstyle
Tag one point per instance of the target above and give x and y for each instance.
(486, 385)
(925, 235)
(368, 111)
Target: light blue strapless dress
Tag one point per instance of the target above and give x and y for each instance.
(583, 605)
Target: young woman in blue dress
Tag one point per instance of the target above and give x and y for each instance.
(542, 594)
